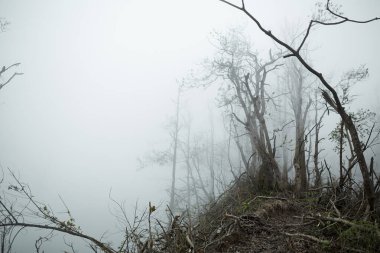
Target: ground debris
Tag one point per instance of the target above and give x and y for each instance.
(274, 222)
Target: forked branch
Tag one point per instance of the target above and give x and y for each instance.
(346, 118)
(4, 69)
(342, 19)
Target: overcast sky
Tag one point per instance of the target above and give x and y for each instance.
(100, 80)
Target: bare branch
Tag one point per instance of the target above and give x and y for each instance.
(346, 19)
(74, 233)
(342, 20)
(309, 237)
(233, 5)
(4, 69)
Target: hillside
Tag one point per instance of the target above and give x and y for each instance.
(242, 221)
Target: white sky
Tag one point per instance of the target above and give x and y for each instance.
(100, 79)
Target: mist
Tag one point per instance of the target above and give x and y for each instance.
(99, 89)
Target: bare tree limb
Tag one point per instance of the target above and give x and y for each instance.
(368, 185)
(105, 248)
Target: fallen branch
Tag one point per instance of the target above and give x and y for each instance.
(101, 245)
(266, 197)
(309, 237)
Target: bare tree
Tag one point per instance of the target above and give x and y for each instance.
(329, 94)
(317, 140)
(211, 159)
(243, 78)
(297, 86)
(175, 148)
(364, 121)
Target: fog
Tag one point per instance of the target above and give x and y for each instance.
(100, 84)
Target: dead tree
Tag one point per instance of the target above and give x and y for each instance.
(244, 75)
(329, 94)
(297, 91)
(175, 148)
(318, 125)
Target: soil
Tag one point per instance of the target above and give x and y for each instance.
(242, 222)
(264, 230)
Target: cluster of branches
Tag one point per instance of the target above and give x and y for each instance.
(20, 210)
(3, 74)
(245, 94)
(330, 16)
(198, 162)
(144, 233)
(6, 78)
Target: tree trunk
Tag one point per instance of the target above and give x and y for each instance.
(341, 176)
(367, 183)
(336, 104)
(285, 166)
(318, 172)
(369, 191)
(188, 169)
(296, 89)
(299, 160)
(174, 164)
(211, 162)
